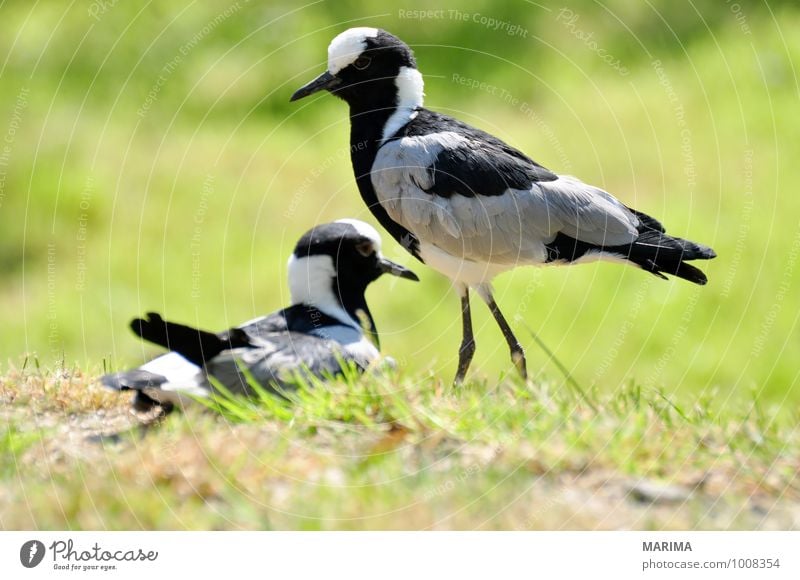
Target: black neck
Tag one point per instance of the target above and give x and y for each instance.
(305, 318)
(366, 131)
(356, 306)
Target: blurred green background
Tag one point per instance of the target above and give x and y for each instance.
(150, 160)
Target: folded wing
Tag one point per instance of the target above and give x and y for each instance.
(484, 200)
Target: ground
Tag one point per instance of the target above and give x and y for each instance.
(391, 453)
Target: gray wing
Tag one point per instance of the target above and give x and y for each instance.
(265, 325)
(499, 226)
(278, 359)
(274, 361)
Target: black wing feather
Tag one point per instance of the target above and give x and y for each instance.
(487, 166)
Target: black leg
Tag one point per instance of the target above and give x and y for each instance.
(517, 354)
(467, 348)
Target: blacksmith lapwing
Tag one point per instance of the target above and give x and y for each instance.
(465, 202)
(328, 324)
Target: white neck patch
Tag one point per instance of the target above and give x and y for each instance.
(311, 282)
(347, 46)
(410, 95)
(410, 87)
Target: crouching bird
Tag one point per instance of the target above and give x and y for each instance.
(327, 326)
(466, 203)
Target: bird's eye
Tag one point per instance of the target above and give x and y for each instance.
(362, 62)
(365, 248)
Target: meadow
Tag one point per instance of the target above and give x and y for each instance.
(150, 161)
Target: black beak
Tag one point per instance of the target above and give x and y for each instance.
(389, 267)
(325, 81)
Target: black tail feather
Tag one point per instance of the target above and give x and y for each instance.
(659, 254)
(195, 345)
(653, 251)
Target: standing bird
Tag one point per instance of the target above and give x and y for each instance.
(466, 203)
(328, 324)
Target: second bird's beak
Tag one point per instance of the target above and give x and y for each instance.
(325, 81)
(389, 267)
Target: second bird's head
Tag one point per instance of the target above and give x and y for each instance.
(369, 67)
(332, 265)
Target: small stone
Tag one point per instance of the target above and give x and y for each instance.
(647, 491)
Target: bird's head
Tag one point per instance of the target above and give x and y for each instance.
(369, 67)
(333, 264)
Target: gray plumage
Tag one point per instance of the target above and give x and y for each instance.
(275, 361)
(326, 330)
(509, 228)
(466, 203)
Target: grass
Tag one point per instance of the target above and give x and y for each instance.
(191, 209)
(394, 453)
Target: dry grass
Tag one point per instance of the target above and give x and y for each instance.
(390, 454)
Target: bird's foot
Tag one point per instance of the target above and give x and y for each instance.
(465, 353)
(518, 358)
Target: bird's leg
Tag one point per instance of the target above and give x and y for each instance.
(517, 353)
(467, 348)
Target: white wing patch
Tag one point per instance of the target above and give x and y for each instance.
(174, 367)
(183, 378)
